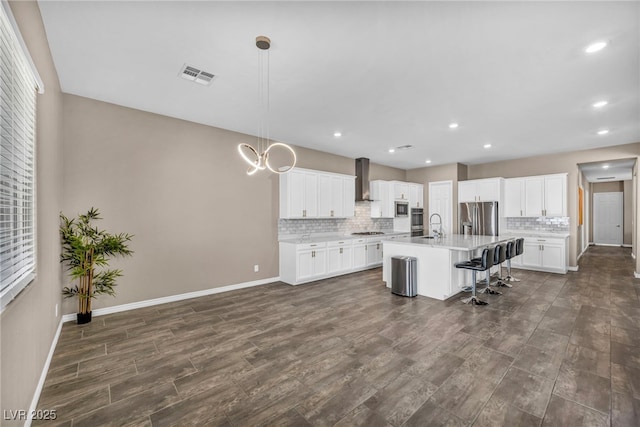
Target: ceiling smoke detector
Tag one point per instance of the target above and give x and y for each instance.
(196, 75)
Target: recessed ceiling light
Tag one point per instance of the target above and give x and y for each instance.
(600, 104)
(487, 145)
(391, 150)
(603, 132)
(605, 166)
(427, 161)
(595, 47)
(337, 134)
(453, 125)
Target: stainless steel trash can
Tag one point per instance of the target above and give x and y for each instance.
(403, 276)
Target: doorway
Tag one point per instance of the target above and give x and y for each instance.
(608, 218)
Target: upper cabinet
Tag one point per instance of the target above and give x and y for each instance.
(480, 190)
(306, 193)
(535, 196)
(416, 195)
(514, 197)
(383, 195)
(400, 190)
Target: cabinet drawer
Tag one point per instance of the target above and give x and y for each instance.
(339, 243)
(307, 246)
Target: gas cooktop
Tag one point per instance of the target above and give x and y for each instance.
(367, 233)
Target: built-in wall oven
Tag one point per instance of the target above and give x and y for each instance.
(402, 209)
(417, 221)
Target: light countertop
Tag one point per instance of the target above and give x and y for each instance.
(457, 242)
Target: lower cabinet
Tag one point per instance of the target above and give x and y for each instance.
(359, 254)
(374, 253)
(543, 254)
(306, 262)
(339, 257)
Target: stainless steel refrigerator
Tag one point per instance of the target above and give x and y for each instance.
(479, 218)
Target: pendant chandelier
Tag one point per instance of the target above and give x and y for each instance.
(258, 158)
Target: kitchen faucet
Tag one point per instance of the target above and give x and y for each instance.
(438, 233)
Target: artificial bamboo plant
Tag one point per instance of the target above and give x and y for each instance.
(85, 247)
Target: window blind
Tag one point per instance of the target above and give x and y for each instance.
(18, 87)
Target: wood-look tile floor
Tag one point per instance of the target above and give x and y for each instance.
(555, 350)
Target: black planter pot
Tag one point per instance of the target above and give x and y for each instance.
(83, 318)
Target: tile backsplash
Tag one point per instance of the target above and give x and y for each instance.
(557, 224)
(362, 221)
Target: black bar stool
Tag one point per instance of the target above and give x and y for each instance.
(517, 248)
(498, 254)
(483, 263)
(503, 256)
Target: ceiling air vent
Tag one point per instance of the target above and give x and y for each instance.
(606, 177)
(196, 75)
(404, 147)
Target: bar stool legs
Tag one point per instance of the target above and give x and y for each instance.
(516, 249)
(473, 299)
(487, 289)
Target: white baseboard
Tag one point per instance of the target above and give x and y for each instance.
(572, 268)
(633, 255)
(606, 244)
(636, 275)
(172, 298)
(627, 246)
(43, 376)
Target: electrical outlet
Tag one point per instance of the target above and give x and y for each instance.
(56, 310)
(256, 268)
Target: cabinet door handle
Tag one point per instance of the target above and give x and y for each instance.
(304, 213)
(378, 246)
(313, 254)
(331, 212)
(520, 212)
(340, 242)
(340, 250)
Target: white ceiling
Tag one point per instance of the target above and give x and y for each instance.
(616, 170)
(385, 74)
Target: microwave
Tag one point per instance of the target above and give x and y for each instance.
(402, 209)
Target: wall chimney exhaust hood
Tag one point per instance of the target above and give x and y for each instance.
(362, 180)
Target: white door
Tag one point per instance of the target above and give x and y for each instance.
(359, 255)
(553, 256)
(441, 202)
(324, 196)
(488, 190)
(607, 218)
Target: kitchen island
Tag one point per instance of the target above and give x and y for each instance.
(437, 275)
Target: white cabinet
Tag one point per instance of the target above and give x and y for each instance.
(400, 190)
(306, 193)
(416, 195)
(339, 256)
(545, 195)
(299, 194)
(359, 253)
(555, 195)
(534, 196)
(332, 197)
(383, 196)
(310, 262)
(480, 190)
(349, 191)
(544, 254)
(374, 252)
(514, 197)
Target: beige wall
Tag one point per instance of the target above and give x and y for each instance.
(557, 163)
(29, 323)
(453, 172)
(199, 221)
